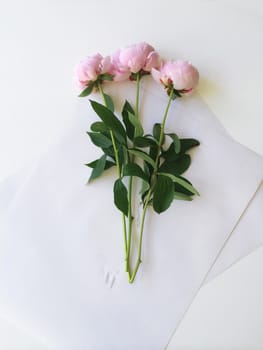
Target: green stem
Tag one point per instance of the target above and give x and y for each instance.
(137, 95)
(162, 130)
(130, 220)
(130, 217)
(102, 95)
(116, 153)
(139, 260)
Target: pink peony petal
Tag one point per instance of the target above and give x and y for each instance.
(152, 61)
(156, 74)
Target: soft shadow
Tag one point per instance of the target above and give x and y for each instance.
(208, 88)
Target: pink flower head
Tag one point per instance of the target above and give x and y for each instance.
(91, 68)
(117, 70)
(133, 59)
(180, 75)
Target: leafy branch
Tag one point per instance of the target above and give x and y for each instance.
(163, 165)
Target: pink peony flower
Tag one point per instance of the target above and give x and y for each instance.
(180, 75)
(91, 68)
(133, 59)
(117, 70)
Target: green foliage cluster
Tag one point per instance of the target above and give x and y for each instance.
(164, 157)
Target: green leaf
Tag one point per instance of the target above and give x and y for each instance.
(153, 152)
(143, 156)
(110, 120)
(122, 152)
(108, 164)
(177, 93)
(170, 154)
(128, 125)
(182, 182)
(99, 139)
(99, 168)
(98, 127)
(182, 196)
(157, 133)
(181, 189)
(133, 169)
(109, 152)
(187, 144)
(146, 185)
(142, 141)
(163, 194)
(121, 196)
(87, 91)
(153, 155)
(146, 169)
(109, 102)
(176, 167)
(138, 129)
(176, 142)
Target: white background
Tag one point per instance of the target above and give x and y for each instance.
(41, 41)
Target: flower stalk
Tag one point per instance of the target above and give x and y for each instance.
(116, 154)
(147, 200)
(130, 186)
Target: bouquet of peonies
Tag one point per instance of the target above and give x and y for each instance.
(158, 163)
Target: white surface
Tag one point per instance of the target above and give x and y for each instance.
(56, 251)
(227, 313)
(43, 40)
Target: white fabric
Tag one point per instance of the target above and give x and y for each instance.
(61, 248)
